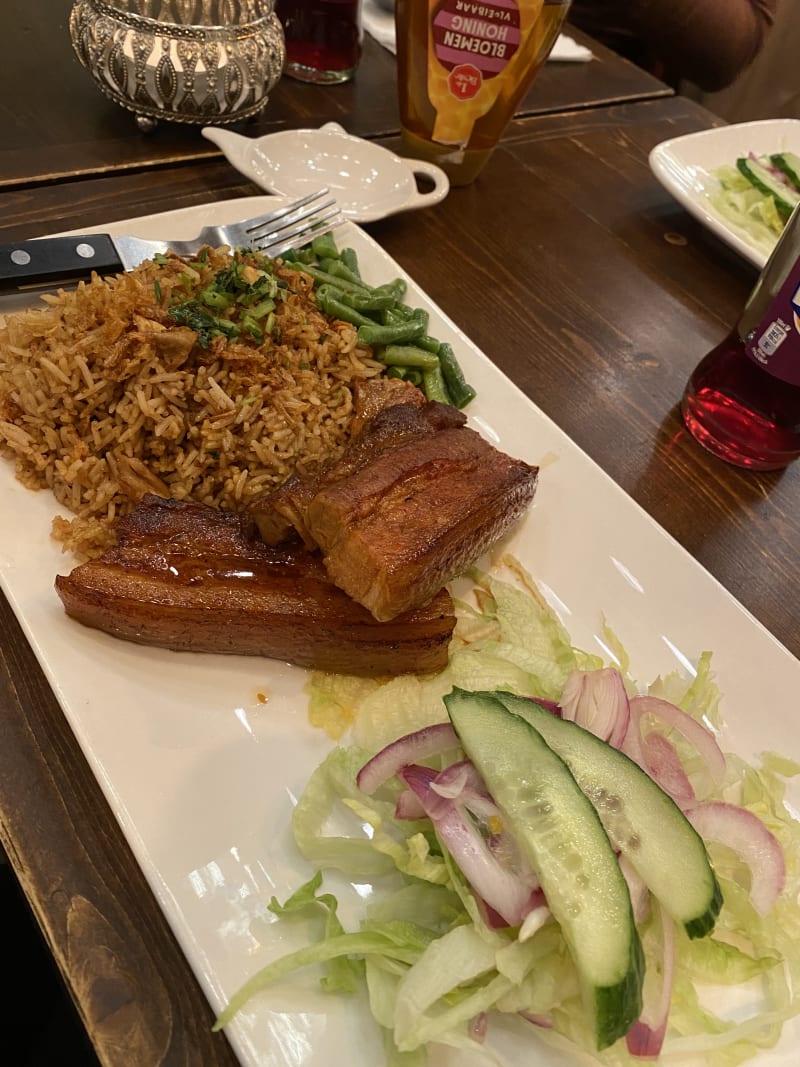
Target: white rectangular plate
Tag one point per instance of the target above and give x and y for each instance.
(202, 774)
(685, 167)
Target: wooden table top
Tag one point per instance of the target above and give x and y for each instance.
(63, 126)
(598, 296)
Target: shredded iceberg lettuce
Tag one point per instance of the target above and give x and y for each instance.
(750, 210)
(435, 969)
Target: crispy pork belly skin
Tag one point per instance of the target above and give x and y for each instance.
(396, 523)
(188, 577)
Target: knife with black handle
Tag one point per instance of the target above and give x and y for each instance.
(60, 260)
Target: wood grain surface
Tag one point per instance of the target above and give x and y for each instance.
(596, 294)
(56, 123)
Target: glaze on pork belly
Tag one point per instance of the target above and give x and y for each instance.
(191, 578)
(415, 499)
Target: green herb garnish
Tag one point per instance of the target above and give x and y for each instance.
(239, 300)
(206, 326)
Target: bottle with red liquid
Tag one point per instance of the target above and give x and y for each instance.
(323, 38)
(743, 400)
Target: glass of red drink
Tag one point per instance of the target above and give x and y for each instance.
(323, 38)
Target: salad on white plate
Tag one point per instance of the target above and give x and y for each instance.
(758, 193)
(700, 170)
(558, 849)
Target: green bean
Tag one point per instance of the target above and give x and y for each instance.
(400, 313)
(363, 301)
(332, 305)
(434, 385)
(398, 332)
(430, 344)
(404, 313)
(408, 356)
(321, 277)
(349, 257)
(453, 376)
(420, 315)
(376, 334)
(324, 246)
(341, 270)
(390, 316)
(298, 255)
(368, 301)
(406, 374)
(326, 290)
(397, 288)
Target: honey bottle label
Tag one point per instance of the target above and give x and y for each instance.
(478, 48)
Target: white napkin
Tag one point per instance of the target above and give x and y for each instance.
(379, 23)
(566, 50)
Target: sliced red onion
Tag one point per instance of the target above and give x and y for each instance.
(451, 781)
(757, 846)
(646, 1036)
(703, 740)
(551, 705)
(505, 850)
(408, 806)
(505, 892)
(493, 919)
(663, 764)
(479, 1027)
(597, 701)
(423, 778)
(544, 1021)
(429, 741)
(462, 782)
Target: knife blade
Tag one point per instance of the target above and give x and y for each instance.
(59, 260)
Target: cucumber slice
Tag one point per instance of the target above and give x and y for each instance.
(643, 822)
(558, 830)
(789, 164)
(760, 177)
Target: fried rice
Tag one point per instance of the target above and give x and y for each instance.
(104, 398)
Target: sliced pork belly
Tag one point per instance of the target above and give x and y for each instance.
(397, 526)
(188, 577)
(280, 515)
(416, 498)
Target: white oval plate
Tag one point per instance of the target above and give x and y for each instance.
(368, 181)
(685, 167)
(202, 756)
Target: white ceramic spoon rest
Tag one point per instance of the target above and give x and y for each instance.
(368, 181)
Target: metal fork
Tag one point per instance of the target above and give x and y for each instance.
(274, 233)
